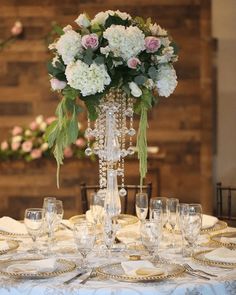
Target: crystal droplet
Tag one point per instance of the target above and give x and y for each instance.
(123, 153)
(131, 132)
(122, 192)
(131, 150)
(120, 172)
(88, 151)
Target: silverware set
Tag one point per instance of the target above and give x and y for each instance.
(198, 272)
(90, 275)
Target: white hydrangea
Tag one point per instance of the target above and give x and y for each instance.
(124, 42)
(102, 16)
(69, 45)
(167, 55)
(156, 30)
(88, 79)
(166, 80)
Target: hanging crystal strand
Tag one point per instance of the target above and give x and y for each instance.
(123, 191)
(88, 133)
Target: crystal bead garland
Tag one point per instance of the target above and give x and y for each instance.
(111, 139)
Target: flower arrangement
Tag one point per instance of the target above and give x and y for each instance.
(29, 143)
(110, 51)
(16, 32)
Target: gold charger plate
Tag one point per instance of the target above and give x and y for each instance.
(123, 219)
(116, 272)
(217, 239)
(63, 266)
(12, 245)
(13, 235)
(200, 258)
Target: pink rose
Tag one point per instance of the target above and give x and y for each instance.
(80, 142)
(57, 84)
(15, 146)
(49, 120)
(4, 145)
(17, 29)
(36, 153)
(33, 125)
(68, 153)
(152, 44)
(133, 62)
(27, 146)
(17, 130)
(90, 41)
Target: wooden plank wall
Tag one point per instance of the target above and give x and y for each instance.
(181, 125)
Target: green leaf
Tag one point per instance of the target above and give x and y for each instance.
(175, 46)
(57, 29)
(140, 80)
(73, 129)
(88, 56)
(51, 133)
(152, 72)
(126, 89)
(99, 60)
(116, 20)
(71, 93)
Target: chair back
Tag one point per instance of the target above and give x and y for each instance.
(127, 202)
(226, 203)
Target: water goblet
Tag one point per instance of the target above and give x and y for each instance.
(34, 222)
(182, 219)
(192, 228)
(50, 207)
(151, 232)
(60, 213)
(84, 236)
(171, 205)
(141, 205)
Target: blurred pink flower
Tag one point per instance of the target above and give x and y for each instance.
(36, 153)
(27, 146)
(57, 84)
(33, 125)
(15, 146)
(17, 130)
(17, 29)
(152, 44)
(49, 120)
(90, 41)
(68, 153)
(4, 145)
(80, 142)
(133, 62)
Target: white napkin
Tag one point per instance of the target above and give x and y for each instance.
(228, 240)
(11, 225)
(208, 221)
(44, 265)
(222, 255)
(140, 268)
(98, 210)
(4, 245)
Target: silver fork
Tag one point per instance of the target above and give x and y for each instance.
(91, 275)
(188, 267)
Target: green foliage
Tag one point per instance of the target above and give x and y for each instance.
(116, 20)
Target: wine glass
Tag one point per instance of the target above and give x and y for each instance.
(156, 205)
(141, 205)
(151, 232)
(171, 205)
(84, 236)
(192, 227)
(50, 207)
(60, 213)
(109, 232)
(34, 222)
(182, 219)
(97, 208)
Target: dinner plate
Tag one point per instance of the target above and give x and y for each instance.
(123, 219)
(116, 272)
(217, 238)
(13, 235)
(12, 245)
(62, 267)
(200, 258)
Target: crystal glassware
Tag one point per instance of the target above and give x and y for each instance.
(84, 236)
(34, 222)
(171, 205)
(151, 232)
(182, 219)
(191, 228)
(50, 207)
(97, 208)
(60, 213)
(141, 205)
(109, 232)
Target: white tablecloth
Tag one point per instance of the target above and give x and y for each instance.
(225, 283)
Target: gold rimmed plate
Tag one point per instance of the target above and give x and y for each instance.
(200, 257)
(62, 266)
(11, 245)
(116, 272)
(123, 219)
(13, 235)
(226, 239)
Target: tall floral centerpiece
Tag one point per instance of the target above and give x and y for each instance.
(117, 65)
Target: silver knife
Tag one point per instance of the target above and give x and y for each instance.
(75, 277)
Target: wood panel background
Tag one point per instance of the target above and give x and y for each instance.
(181, 125)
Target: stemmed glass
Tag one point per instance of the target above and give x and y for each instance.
(50, 207)
(60, 213)
(141, 206)
(182, 219)
(151, 232)
(34, 222)
(171, 205)
(84, 236)
(191, 229)
(97, 208)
